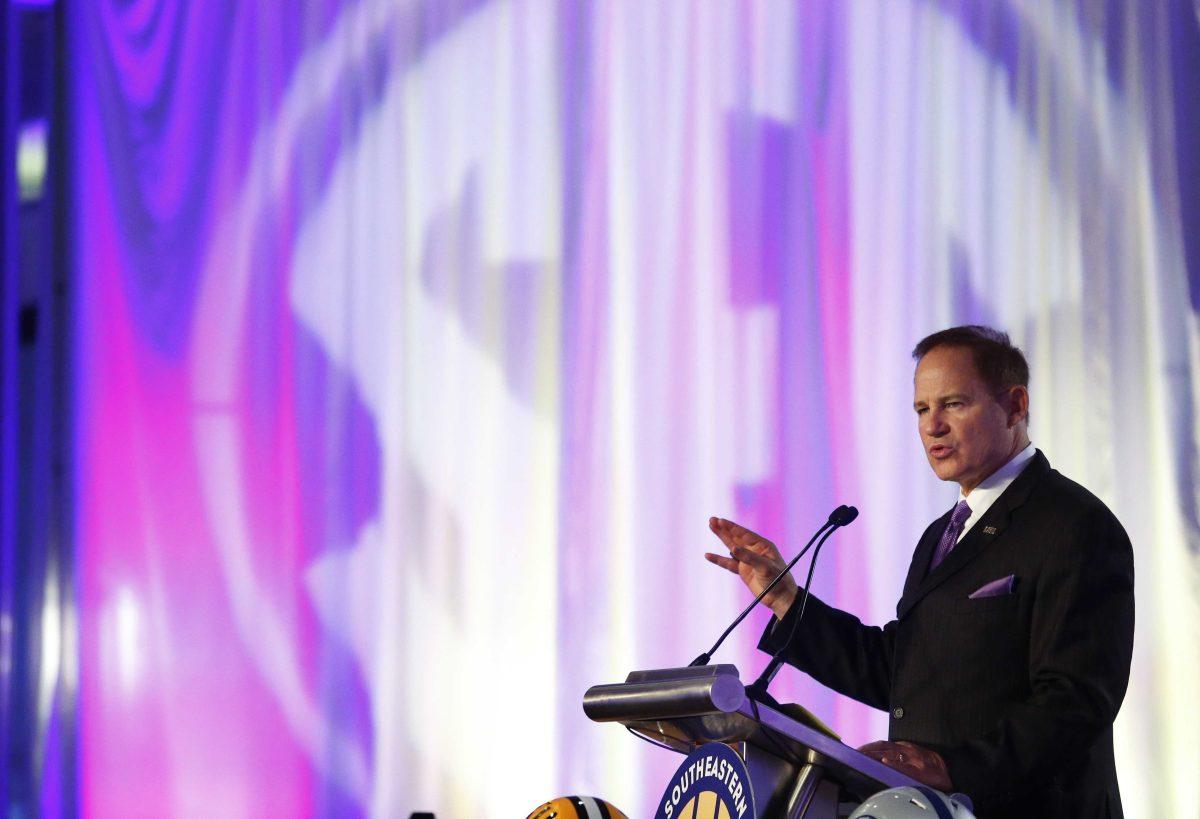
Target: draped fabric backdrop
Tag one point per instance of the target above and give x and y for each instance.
(417, 341)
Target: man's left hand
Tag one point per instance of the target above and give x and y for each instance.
(922, 764)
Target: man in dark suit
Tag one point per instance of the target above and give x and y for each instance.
(1009, 655)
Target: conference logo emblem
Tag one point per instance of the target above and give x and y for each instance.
(712, 783)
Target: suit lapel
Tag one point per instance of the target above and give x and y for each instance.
(991, 526)
(923, 555)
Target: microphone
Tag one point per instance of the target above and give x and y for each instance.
(758, 689)
(837, 518)
(843, 516)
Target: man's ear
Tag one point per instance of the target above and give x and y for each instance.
(1017, 405)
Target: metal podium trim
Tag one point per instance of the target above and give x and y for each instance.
(682, 708)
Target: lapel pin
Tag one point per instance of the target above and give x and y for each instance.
(989, 530)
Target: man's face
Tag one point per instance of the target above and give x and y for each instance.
(966, 431)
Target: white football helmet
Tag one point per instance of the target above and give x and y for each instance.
(911, 802)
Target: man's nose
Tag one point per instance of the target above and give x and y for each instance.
(934, 424)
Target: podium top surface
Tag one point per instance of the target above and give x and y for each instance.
(685, 707)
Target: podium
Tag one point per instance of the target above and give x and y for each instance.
(795, 770)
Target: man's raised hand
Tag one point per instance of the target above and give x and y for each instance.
(756, 561)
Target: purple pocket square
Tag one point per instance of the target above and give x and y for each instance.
(995, 588)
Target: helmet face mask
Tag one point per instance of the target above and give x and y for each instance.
(911, 802)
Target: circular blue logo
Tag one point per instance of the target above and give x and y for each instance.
(712, 783)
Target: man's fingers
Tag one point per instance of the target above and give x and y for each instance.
(720, 528)
(920, 763)
(727, 563)
(747, 555)
(731, 534)
(874, 748)
(723, 527)
(886, 752)
(741, 555)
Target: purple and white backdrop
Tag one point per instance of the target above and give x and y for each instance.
(417, 341)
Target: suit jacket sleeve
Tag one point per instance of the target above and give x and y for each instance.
(1080, 647)
(836, 650)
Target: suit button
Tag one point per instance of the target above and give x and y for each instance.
(897, 713)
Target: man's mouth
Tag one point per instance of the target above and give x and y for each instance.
(940, 451)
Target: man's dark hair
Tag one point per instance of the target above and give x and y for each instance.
(999, 362)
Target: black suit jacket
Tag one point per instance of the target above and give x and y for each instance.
(1017, 692)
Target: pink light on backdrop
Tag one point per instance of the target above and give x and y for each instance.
(176, 688)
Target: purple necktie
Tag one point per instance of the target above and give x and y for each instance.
(953, 529)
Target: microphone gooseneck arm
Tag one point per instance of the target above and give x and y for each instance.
(838, 517)
(757, 689)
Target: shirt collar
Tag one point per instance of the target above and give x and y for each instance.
(993, 485)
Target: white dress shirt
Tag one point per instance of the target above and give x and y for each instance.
(993, 486)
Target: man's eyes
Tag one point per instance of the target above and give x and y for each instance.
(947, 405)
